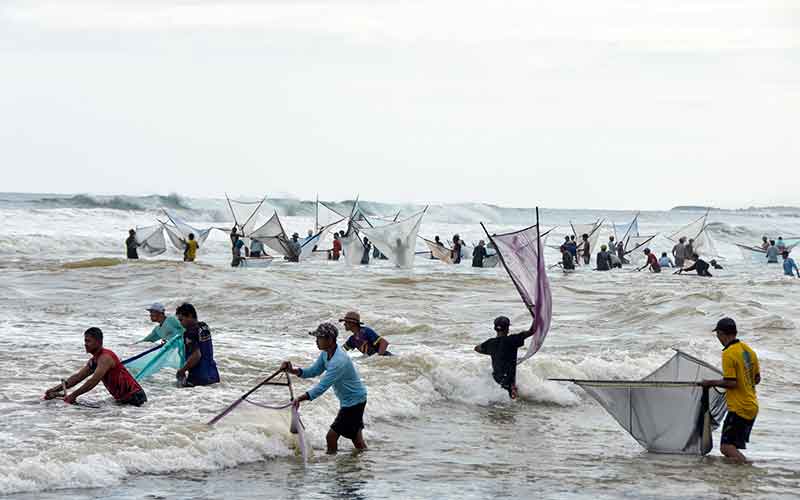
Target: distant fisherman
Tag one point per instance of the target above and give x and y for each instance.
(479, 254)
(367, 248)
(341, 373)
(236, 251)
(699, 265)
(621, 253)
(363, 338)
(567, 261)
(104, 366)
(190, 249)
(652, 262)
(200, 367)
(789, 264)
(611, 246)
(294, 248)
(780, 245)
(455, 253)
(587, 249)
(131, 245)
(603, 259)
(679, 252)
(741, 373)
(665, 261)
(764, 243)
(689, 250)
(503, 350)
(573, 249)
(256, 248)
(336, 250)
(772, 253)
(168, 326)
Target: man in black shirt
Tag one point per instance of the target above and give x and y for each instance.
(131, 245)
(503, 350)
(699, 265)
(479, 254)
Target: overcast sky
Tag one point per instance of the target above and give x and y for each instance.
(567, 104)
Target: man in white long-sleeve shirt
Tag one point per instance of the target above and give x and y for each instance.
(340, 372)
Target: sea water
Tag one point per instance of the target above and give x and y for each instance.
(436, 423)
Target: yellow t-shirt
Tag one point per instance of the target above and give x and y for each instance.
(739, 362)
(191, 250)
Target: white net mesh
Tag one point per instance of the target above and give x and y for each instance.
(397, 241)
(151, 240)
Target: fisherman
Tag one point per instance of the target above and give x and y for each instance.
(741, 374)
(236, 251)
(772, 253)
(789, 264)
(294, 248)
(200, 367)
(567, 262)
(665, 261)
(780, 245)
(455, 252)
(336, 251)
(131, 245)
(611, 246)
(479, 254)
(104, 366)
(190, 249)
(586, 249)
(340, 373)
(699, 265)
(168, 326)
(573, 249)
(764, 243)
(679, 252)
(651, 262)
(689, 250)
(234, 235)
(603, 259)
(256, 248)
(363, 338)
(503, 350)
(367, 248)
(621, 253)
(616, 263)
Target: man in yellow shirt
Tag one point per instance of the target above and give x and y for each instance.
(741, 373)
(190, 251)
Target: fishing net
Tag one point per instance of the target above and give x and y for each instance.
(179, 232)
(272, 235)
(440, 252)
(151, 361)
(151, 240)
(352, 248)
(246, 215)
(666, 411)
(397, 241)
(519, 253)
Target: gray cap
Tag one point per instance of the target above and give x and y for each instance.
(156, 307)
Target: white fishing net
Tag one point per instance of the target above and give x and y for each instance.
(397, 241)
(151, 240)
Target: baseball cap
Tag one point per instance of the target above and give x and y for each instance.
(725, 325)
(351, 317)
(156, 307)
(325, 330)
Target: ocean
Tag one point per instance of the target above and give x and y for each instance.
(437, 425)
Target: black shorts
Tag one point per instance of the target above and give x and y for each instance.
(736, 430)
(349, 420)
(137, 399)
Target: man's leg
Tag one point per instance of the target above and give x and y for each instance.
(332, 440)
(732, 452)
(359, 442)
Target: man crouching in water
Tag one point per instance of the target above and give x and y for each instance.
(340, 372)
(105, 366)
(503, 350)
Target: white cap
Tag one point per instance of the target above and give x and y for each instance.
(156, 307)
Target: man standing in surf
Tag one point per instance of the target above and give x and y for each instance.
(503, 350)
(340, 372)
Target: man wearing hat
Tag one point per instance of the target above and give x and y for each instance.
(363, 337)
(168, 326)
(503, 350)
(294, 248)
(741, 373)
(340, 372)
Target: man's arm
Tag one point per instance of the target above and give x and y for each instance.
(191, 362)
(72, 380)
(382, 346)
(331, 375)
(727, 383)
(313, 370)
(104, 363)
(690, 268)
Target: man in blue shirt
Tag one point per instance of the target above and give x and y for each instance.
(789, 265)
(363, 337)
(200, 367)
(340, 372)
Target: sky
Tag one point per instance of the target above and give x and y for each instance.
(617, 104)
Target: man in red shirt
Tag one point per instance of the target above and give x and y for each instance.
(337, 247)
(652, 262)
(104, 366)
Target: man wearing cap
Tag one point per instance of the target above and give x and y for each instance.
(503, 350)
(363, 337)
(168, 326)
(340, 372)
(294, 248)
(741, 373)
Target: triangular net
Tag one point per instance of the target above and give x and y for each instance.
(397, 241)
(519, 253)
(151, 240)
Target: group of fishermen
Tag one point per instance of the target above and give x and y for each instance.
(190, 246)
(457, 250)
(773, 248)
